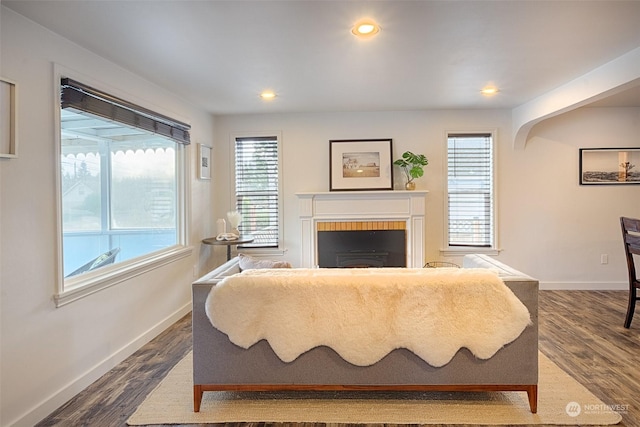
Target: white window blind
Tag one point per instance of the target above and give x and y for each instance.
(257, 189)
(470, 190)
(81, 97)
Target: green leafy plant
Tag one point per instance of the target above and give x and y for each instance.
(412, 165)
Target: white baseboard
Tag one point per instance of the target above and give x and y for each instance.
(584, 286)
(62, 396)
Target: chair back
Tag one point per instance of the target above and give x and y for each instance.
(631, 238)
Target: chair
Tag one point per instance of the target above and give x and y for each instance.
(631, 239)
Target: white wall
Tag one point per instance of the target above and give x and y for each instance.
(568, 227)
(549, 226)
(49, 354)
(305, 154)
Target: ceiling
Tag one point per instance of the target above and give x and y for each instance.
(428, 55)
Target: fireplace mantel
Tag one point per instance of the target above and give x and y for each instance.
(408, 206)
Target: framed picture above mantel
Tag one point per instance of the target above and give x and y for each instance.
(610, 166)
(360, 164)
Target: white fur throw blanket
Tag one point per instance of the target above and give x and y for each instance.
(365, 313)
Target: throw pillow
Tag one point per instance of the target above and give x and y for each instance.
(247, 262)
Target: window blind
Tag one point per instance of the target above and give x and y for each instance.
(470, 189)
(81, 97)
(257, 189)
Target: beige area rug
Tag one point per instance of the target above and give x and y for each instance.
(561, 400)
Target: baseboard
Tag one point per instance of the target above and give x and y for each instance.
(584, 286)
(50, 404)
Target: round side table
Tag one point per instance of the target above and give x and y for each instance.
(228, 243)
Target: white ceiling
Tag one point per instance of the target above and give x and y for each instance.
(429, 54)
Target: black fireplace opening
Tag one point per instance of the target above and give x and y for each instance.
(360, 248)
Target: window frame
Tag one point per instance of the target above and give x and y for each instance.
(278, 250)
(448, 250)
(77, 287)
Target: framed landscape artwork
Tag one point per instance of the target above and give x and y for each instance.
(609, 166)
(360, 164)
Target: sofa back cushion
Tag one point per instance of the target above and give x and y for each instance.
(247, 262)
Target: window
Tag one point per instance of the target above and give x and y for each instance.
(258, 189)
(470, 189)
(121, 182)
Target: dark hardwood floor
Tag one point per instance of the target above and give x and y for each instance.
(581, 331)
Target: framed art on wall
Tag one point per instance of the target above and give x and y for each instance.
(204, 161)
(8, 140)
(607, 166)
(360, 164)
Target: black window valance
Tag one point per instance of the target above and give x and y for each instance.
(85, 98)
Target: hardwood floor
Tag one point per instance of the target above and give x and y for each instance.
(581, 331)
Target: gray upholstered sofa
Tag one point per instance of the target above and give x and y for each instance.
(219, 364)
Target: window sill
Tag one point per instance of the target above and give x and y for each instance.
(451, 251)
(263, 251)
(90, 283)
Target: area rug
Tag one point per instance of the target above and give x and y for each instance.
(561, 400)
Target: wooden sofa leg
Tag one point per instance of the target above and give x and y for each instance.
(532, 393)
(197, 397)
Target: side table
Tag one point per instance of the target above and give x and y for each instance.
(228, 243)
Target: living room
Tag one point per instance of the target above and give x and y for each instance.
(548, 225)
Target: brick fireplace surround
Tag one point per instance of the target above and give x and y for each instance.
(363, 210)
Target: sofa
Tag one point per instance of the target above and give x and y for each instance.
(218, 364)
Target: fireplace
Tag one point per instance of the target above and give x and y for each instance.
(362, 248)
(372, 212)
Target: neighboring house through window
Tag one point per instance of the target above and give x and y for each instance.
(257, 189)
(121, 179)
(470, 192)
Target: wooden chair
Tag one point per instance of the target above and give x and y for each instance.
(631, 238)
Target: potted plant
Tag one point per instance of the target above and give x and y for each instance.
(412, 165)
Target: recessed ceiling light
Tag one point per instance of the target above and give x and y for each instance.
(365, 28)
(267, 94)
(489, 90)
